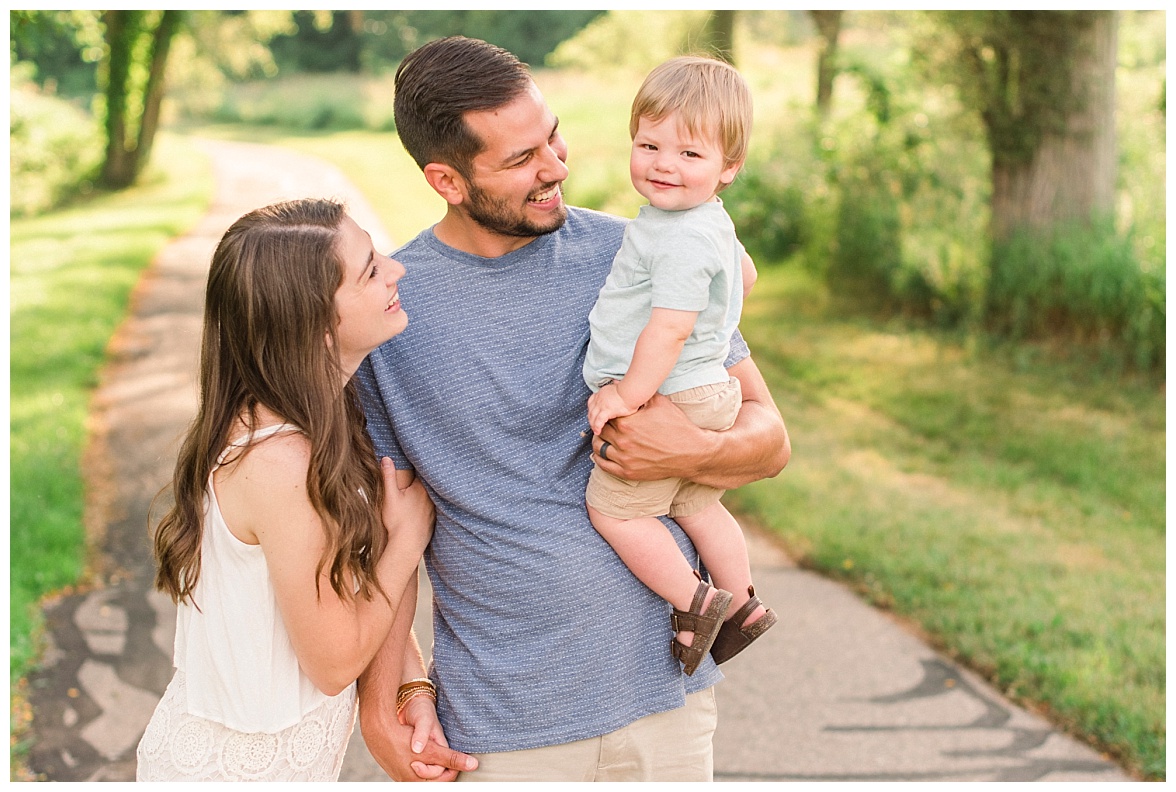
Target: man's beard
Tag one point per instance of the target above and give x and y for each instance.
(495, 215)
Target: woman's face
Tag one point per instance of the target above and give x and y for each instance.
(367, 300)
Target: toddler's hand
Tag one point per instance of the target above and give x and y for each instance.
(606, 404)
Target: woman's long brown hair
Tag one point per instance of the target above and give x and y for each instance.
(269, 310)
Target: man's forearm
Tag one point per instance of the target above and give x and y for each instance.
(757, 446)
(660, 442)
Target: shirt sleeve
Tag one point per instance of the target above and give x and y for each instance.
(739, 350)
(375, 410)
(682, 270)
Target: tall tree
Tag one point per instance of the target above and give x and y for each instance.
(828, 32)
(719, 35)
(138, 44)
(1044, 85)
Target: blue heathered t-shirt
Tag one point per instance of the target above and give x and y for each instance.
(541, 634)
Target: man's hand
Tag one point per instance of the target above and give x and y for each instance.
(391, 744)
(659, 441)
(656, 442)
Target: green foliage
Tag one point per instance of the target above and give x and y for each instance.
(908, 220)
(894, 191)
(631, 40)
(309, 102)
(54, 149)
(71, 276)
(63, 46)
(390, 35)
(1014, 67)
(1083, 282)
(320, 42)
(867, 249)
(770, 207)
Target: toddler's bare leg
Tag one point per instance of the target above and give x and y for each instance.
(651, 554)
(719, 540)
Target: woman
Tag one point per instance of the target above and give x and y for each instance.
(289, 550)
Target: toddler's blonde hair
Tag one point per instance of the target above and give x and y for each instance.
(710, 97)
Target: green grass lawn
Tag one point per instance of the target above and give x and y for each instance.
(70, 277)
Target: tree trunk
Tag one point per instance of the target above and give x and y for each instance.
(125, 158)
(160, 44)
(117, 170)
(1071, 175)
(720, 35)
(829, 29)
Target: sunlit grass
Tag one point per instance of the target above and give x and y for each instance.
(70, 276)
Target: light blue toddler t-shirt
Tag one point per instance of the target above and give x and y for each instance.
(685, 260)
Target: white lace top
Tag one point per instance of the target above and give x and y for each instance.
(237, 658)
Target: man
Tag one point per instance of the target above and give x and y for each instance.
(548, 654)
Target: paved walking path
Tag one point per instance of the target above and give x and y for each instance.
(836, 691)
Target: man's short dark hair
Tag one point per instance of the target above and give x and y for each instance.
(437, 84)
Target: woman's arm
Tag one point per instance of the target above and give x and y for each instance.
(334, 638)
(659, 442)
(392, 743)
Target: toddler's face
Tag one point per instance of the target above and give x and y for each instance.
(673, 169)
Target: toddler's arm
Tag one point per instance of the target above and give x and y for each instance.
(654, 356)
(749, 274)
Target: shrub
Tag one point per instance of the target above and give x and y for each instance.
(55, 149)
(310, 102)
(1081, 282)
(768, 204)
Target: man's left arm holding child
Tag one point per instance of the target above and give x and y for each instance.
(658, 441)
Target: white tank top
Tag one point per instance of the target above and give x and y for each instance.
(234, 650)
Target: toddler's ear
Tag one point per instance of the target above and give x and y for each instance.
(730, 172)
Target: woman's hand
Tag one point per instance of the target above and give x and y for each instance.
(407, 511)
(421, 714)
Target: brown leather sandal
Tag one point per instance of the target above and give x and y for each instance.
(705, 626)
(733, 638)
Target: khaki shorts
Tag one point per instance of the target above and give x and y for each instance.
(666, 746)
(707, 406)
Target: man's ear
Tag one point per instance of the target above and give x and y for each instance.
(446, 181)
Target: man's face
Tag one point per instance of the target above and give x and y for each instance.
(515, 189)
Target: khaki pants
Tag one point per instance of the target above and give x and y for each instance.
(665, 746)
(709, 406)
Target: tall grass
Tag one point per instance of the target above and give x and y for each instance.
(71, 273)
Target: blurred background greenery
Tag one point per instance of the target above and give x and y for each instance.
(960, 223)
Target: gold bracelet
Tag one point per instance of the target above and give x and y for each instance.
(416, 684)
(402, 702)
(420, 686)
